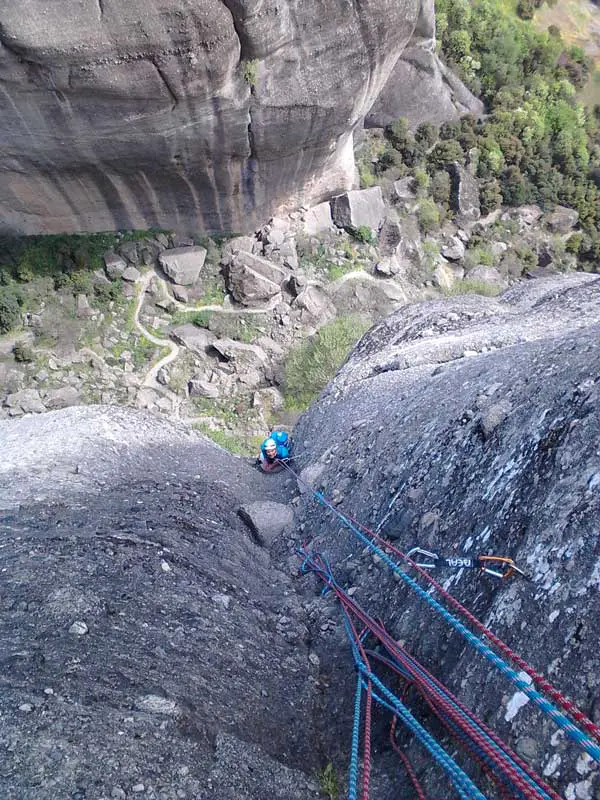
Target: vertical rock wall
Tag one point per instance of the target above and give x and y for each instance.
(192, 114)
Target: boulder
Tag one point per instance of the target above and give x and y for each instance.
(115, 265)
(180, 293)
(82, 307)
(317, 219)
(240, 355)
(453, 250)
(390, 234)
(267, 520)
(388, 267)
(240, 244)
(562, 219)
(200, 387)
(446, 274)
(253, 280)
(464, 194)
(196, 339)
(129, 250)
(489, 275)
(62, 398)
(404, 191)
(183, 264)
(131, 275)
(359, 208)
(28, 401)
(314, 306)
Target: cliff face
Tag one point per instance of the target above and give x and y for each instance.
(197, 116)
(471, 427)
(149, 639)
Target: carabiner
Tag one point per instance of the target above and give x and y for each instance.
(507, 567)
(418, 551)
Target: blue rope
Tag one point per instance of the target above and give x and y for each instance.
(572, 731)
(458, 777)
(353, 771)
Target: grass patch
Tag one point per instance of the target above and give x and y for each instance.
(214, 294)
(329, 782)
(199, 318)
(468, 286)
(228, 441)
(311, 365)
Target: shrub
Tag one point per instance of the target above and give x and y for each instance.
(250, 70)
(428, 215)
(311, 365)
(398, 134)
(10, 309)
(328, 781)
(23, 353)
(107, 292)
(363, 234)
(490, 196)
(426, 135)
(440, 188)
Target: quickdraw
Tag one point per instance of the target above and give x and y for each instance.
(497, 566)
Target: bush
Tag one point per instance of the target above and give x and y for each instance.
(311, 365)
(490, 196)
(398, 134)
(363, 234)
(10, 309)
(440, 188)
(23, 353)
(428, 215)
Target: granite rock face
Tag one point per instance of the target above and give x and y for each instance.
(149, 646)
(471, 426)
(195, 116)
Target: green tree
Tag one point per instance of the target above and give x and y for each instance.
(10, 309)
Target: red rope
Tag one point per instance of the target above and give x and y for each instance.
(407, 765)
(446, 701)
(564, 702)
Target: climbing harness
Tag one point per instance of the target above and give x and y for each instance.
(497, 566)
(589, 741)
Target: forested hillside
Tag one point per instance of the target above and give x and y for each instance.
(538, 143)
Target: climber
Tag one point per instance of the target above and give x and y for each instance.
(275, 450)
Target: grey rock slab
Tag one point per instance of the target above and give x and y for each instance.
(253, 280)
(243, 770)
(183, 264)
(196, 339)
(562, 219)
(115, 265)
(131, 274)
(112, 170)
(267, 520)
(317, 219)
(62, 398)
(358, 208)
(464, 194)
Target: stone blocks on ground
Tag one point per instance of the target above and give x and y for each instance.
(183, 264)
(362, 207)
(267, 520)
(253, 280)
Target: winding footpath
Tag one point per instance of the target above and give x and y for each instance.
(150, 380)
